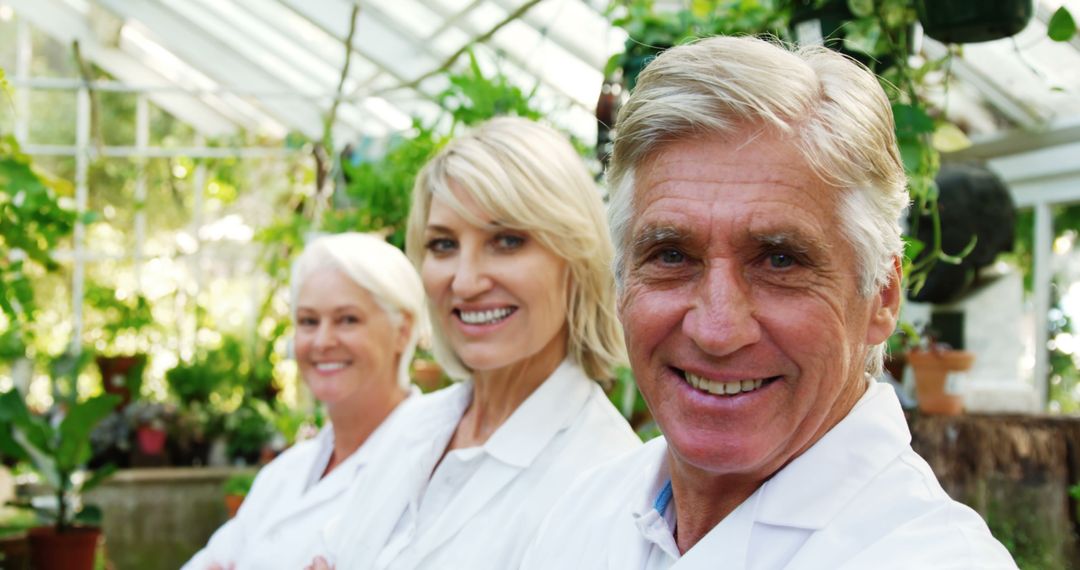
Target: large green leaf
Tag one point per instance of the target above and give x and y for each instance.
(16, 417)
(1062, 26)
(74, 447)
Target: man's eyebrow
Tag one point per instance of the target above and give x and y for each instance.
(646, 238)
(799, 242)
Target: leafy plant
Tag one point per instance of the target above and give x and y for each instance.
(212, 371)
(650, 31)
(474, 97)
(56, 451)
(248, 429)
(33, 222)
(130, 315)
(239, 484)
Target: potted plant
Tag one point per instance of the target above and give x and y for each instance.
(149, 420)
(248, 430)
(236, 488)
(121, 373)
(57, 451)
(936, 366)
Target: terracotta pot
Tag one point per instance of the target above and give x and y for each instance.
(151, 440)
(73, 549)
(932, 368)
(232, 504)
(15, 550)
(122, 375)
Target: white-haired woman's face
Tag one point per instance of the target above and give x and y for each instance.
(498, 295)
(346, 345)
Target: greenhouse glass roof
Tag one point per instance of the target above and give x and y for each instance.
(273, 66)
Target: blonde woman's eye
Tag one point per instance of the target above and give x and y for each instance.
(440, 245)
(509, 241)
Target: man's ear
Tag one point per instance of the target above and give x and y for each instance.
(885, 307)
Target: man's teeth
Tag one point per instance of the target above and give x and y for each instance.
(485, 317)
(329, 366)
(723, 388)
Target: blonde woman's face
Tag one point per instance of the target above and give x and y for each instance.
(498, 295)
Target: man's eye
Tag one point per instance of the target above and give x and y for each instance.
(440, 245)
(349, 320)
(307, 322)
(781, 260)
(670, 256)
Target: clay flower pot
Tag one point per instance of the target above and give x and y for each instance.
(151, 440)
(932, 368)
(232, 504)
(73, 549)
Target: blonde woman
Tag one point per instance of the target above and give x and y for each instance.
(357, 304)
(508, 233)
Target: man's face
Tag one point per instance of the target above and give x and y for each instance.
(743, 320)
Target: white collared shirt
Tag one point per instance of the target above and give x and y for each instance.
(482, 505)
(858, 498)
(279, 523)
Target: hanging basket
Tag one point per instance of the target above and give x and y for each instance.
(971, 21)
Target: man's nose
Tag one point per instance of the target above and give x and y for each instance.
(472, 275)
(722, 318)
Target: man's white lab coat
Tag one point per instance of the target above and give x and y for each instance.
(858, 498)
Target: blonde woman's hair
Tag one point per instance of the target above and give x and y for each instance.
(379, 268)
(528, 177)
(830, 107)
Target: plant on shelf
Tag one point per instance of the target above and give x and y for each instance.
(58, 451)
(123, 317)
(937, 369)
(248, 431)
(149, 421)
(236, 487)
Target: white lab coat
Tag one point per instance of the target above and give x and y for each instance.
(483, 504)
(279, 522)
(858, 498)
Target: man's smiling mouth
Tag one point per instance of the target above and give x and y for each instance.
(731, 388)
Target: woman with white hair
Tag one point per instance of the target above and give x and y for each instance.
(357, 305)
(508, 232)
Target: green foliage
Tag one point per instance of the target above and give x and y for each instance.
(130, 315)
(651, 32)
(474, 97)
(239, 484)
(1062, 26)
(627, 399)
(216, 371)
(55, 451)
(32, 223)
(377, 193)
(248, 429)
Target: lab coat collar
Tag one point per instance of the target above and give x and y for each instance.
(545, 413)
(651, 523)
(309, 490)
(811, 490)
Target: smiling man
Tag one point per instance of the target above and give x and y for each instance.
(756, 198)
